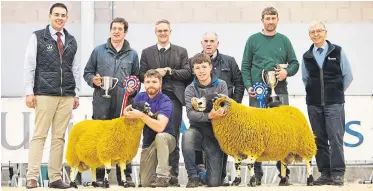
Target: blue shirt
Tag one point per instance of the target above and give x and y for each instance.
(345, 65)
(161, 104)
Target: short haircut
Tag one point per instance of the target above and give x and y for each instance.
(120, 20)
(163, 21)
(216, 35)
(201, 58)
(269, 11)
(153, 73)
(57, 5)
(317, 22)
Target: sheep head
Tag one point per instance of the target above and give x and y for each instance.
(143, 107)
(205, 103)
(223, 102)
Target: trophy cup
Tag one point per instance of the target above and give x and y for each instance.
(269, 78)
(107, 84)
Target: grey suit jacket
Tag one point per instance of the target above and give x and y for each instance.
(181, 71)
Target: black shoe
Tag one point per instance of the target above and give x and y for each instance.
(224, 183)
(338, 180)
(59, 184)
(174, 182)
(258, 181)
(160, 182)
(323, 180)
(193, 182)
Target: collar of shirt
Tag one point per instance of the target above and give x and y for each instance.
(54, 35)
(325, 47)
(267, 35)
(167, 47)
(214, 55)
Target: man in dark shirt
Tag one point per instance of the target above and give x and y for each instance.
(158, 135)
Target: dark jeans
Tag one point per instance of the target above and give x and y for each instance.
(175, 121)
(199, 160)
(258, 169)
(328, 124)
(193, 140)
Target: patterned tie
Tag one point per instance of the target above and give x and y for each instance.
(59, 43)
(320, 50)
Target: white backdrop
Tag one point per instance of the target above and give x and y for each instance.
(358, 109)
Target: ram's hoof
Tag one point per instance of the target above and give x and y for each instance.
(252, 182)
(73, 184)
(105, 184)
(310, 181)
(95, 184)
(284, 182)
(236, 181)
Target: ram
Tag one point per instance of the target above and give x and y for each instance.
(103, 143)
(261, 134)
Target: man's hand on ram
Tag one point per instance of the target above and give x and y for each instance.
(216, 113)
(134, 114)
(127, 109)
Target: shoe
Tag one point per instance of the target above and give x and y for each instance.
(338, 180)
(193, 182)
(224, 183)
(59, 184)
(160, 182)
(31, 184)
(174, 182)
(323, 180)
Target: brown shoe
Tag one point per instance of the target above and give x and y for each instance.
(31, 184)
(59, 184)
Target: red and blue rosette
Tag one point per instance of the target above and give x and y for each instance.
(261, 91)
(132, 82)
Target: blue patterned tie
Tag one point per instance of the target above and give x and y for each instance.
(320, 50)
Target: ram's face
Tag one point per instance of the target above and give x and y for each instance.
(199, 104)
(224, 102)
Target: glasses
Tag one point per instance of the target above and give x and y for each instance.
(119, 29)
(316, 31)
(165, 31)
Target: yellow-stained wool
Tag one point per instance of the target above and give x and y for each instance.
(92, 143)
(267, 134)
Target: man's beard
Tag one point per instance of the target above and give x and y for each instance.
(271, 28)
(152, 91)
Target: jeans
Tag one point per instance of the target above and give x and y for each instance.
(193, 140)
(328, 125)
(258, 169)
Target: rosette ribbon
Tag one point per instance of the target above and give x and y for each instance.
(261, 90)
(132, 82)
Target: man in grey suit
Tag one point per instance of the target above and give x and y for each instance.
(172, 62)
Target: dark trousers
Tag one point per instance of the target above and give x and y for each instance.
(328, 125)
(193, 140)
(258, 168)
(175, 121)
(199, 160)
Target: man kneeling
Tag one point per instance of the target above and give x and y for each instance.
(158, 137)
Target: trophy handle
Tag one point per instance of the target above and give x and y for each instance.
(263, 76)
(102, 83)
(116, 81)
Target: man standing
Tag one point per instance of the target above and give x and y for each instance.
(171, 61)
(326, 73)
(158, 135)
(200, 136)
(264, 51)
(52, 80)
(116, 59)
(225, 68)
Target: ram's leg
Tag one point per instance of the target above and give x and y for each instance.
(250, 165)
(122, 166)
(107, 172)
(284, 179)
(94, 179)
(73, 173)
(309, 173)
(237, 165)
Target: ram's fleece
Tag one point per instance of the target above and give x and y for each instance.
(103, 143)
(259, 134)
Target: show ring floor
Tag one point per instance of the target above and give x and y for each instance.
(296, 187)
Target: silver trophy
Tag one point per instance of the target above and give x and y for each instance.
(107, 84)
(269, 78)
